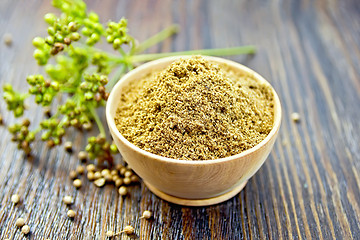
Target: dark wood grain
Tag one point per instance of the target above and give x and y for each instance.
(309, 188)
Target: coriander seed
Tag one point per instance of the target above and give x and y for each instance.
(15, 198)
(127, 181)
(122, 170)
(146, 214)
(80, 169)
(8, 39)
(295, 117)
(68, 146)
(25, 229)
(20, 222)
(134, 178)
(82, 155)
(128, 173)
(118, 167)
(100, 182)
(114, 172)
(68, 200)
(118, 182)
(77, 183)
(47, 112)
(115, 177)
(87, 126)
(50, 143)
(110, 234)
(97, 175)
(105, 172)
(108, 178)
(73, 174)
(128, 230)
(123, 191)
(90, 176)
(71, 213)
(90, 167)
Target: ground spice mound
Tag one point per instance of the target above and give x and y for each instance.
(195, 110)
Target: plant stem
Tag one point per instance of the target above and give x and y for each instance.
(63, 120)
(97, 119)
(159, 37)
(122, 52)
(93, 49)
(214, 52)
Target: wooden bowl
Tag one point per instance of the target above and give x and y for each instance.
(191, 183)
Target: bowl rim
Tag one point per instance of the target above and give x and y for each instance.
(112, 99)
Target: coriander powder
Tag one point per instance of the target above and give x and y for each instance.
(196, 110)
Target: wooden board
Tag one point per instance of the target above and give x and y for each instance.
(309, 187)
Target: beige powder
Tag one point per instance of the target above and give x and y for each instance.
(195, 110)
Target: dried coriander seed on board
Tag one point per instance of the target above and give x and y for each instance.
(126, 181)
(8, 39)
(146, 214)
(295, 116)
(20, 222)
(90, 167)
(134, 179)
(110, 234)
(82, 156)
(25, 229)
(80, 169)
(118, 182)
(100, 182)
(97, 175)
(77, 183)
(90, 176)
(129, 230)
(71, 213)
(123, 191)
(73, 174)
(196, 110)
(15, 198)
(68, 200)
(68, 146)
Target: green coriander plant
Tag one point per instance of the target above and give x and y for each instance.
(76, 68)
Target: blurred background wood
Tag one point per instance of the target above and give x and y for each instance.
(307, 189)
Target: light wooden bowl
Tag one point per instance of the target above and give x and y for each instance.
(191, 183)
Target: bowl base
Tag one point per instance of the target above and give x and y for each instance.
(197, 202)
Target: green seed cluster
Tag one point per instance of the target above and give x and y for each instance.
(54, 131)
(119, 175)
(101, 61)
(41, 53)
(93, 87)
(44, 90)
(78, 73)
(62, 31)
(117, 33)
(22, 135)
(14, 100)
(99, 148)
(74, 8)
(75, 78)
(93, 29)
(68, 68)
(76, 114)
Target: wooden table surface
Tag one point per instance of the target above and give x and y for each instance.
(309, 187)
